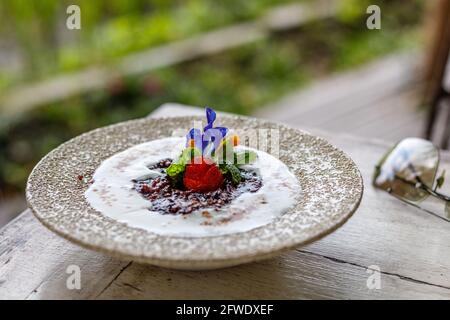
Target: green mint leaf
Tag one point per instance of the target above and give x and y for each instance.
(440, 180)
(244, 157)
(175, 173)
(175, 169)
(234, 173)
(223, 168)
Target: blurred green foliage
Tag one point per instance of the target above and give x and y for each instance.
(110, 28)
(238, 80)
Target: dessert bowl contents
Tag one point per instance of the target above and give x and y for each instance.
(203, 185)
(166, 198)
(115, 194)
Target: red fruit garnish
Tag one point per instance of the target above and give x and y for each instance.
(202, 176)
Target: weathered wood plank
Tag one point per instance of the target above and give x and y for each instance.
(33, 263)
(295, 275)
(410, 247)
(378, 100)
(390, 111)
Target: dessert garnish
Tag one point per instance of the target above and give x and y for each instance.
(208, 172)
(209, 155)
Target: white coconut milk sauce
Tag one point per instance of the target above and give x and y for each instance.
(113, 195)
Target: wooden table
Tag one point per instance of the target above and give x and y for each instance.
(411, 248)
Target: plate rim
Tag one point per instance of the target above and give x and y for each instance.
(192, 263)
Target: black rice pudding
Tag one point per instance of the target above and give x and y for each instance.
(167, 198)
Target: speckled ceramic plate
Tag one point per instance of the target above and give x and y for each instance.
(331, 190)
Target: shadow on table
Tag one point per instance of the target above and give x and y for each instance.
(148, 282)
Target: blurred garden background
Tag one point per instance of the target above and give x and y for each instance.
(129, 57)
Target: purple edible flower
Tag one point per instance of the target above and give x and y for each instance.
(209, 135)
